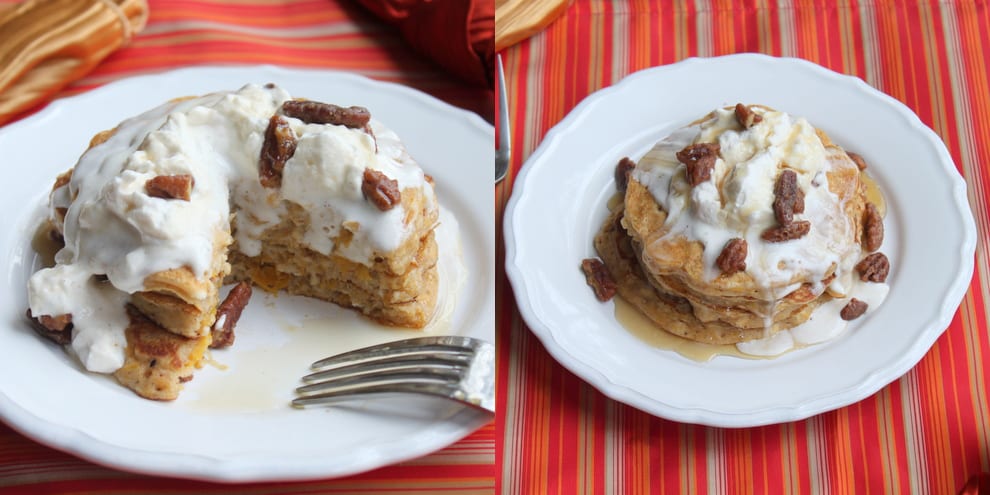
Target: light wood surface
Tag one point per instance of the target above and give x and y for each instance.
(516, 20)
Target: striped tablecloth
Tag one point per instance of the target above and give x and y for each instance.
(927, 432)
(337, 34)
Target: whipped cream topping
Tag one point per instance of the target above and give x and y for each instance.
(114, 228)
(737, 202)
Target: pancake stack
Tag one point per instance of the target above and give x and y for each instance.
(737, 226)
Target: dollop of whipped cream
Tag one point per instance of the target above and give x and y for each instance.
(113, 227)
(737, 201)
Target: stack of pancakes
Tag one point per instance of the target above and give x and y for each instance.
(138, 279)
(661, 242)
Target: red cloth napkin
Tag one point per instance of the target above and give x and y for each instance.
(457, 34)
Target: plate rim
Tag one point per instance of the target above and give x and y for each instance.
(197, 466)
(771, 415)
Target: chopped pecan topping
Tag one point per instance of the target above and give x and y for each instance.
(279, 146)
(746, 116)
(872, 228)
(622, 171)
(228, 313)
(170, 186)
(699, 160)
(57, 328)
(781, 233)
(857, 159)
(380, 190)
(798, 206)
(787, 197)
(371, 132)
(314, 112)
(852, 310)
(873, 268)
(732, 259)
(598, 278)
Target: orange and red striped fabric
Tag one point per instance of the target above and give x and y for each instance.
(927, 432)
(335, 34)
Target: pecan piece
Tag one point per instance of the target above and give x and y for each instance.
(622, 171)
(732, 259)
(279, 146)
(873, 268)
(781, 233)
(57, 328)
(746, 116)
(798, 205)
(787, 197)
(852, 310)
(315, 112)
(872, 228)
(170, 186)
(857, 159)
(380, 190)
(371, 132)
(228, 313)
(699, 160)
(598, 278)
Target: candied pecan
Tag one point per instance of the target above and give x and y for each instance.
(872, 228)
(699, 160)
(57, 328)
(228, 313)
(732, 259)
(279, 146)
(315, 112)
(622, 171)
(170, 186)
(798, 205)
(852, 310)
(873, 268)
(371, 132)
(781, 233)
(857, 159)
(787, 197)
(746, 116)
(380, 190)
(598, 278)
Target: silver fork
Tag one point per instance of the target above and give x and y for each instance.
(504, 151)
(457, 368)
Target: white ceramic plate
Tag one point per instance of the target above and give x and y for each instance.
(235, 424)
(930, 241)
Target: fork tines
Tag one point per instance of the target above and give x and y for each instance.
(428, 365)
